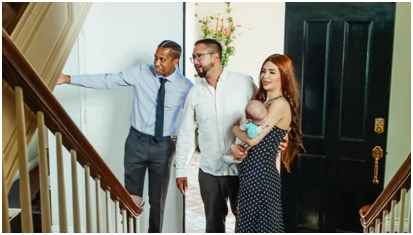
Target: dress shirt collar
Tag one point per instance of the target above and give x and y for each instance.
(222, 77)
(171, 77)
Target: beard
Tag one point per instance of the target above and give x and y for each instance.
(205, 70)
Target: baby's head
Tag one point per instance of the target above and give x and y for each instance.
(255, 112)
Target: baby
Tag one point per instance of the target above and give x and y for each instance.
(254, 124)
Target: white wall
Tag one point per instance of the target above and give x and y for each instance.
(399, 133)
(117, 36)
(69, 98)
(262, 33)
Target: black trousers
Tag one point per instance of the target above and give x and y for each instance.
(142, 153)
(215, 192)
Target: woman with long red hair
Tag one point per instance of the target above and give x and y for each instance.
(259, 200)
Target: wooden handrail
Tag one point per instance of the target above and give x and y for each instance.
(18, 72)
(400, 180)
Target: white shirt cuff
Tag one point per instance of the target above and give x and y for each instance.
(180, 173)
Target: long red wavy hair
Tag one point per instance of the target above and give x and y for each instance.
(290, 92)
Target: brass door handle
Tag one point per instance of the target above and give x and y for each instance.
(377, 155)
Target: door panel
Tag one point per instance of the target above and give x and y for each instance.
(342, 54)
(354, 79)
(315, 55)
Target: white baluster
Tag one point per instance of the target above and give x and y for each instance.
(377, 226)
(88, 200)
(384, 223)
(371, 229)
(137, 225)
(117, 220)
(25, 202)
(108, 215)
(61, 184)
(409, 230)
(43, 175)
(97, 181)
(130, 224)
(365, 230)
(124, 221)
(75, 194)
(5, 205)
(402, 211)
(393, 216)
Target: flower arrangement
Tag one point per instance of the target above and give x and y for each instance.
(222, 31)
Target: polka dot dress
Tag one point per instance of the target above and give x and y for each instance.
(259, 199)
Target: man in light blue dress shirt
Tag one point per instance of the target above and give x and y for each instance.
(147, 146)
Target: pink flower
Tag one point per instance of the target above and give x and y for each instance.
(225, 30)
(233, 48)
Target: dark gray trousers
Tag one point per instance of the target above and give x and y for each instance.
(141, 153)
(215, 192)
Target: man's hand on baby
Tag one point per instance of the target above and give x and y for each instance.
(283, 146)
(264, 124)
(239, 152)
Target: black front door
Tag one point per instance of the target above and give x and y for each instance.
(342, 54)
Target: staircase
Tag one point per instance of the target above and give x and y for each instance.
(381, 217)
(37, 39)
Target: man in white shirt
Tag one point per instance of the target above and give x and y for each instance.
(217, 103)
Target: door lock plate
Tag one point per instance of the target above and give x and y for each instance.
(379, 125)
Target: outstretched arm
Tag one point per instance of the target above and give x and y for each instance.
(63, 79)
(128, 77)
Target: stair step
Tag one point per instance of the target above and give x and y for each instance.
(13, 212)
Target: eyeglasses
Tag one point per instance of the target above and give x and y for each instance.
(198, 57)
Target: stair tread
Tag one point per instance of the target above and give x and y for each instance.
(13, 212)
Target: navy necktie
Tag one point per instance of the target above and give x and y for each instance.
(159, 111)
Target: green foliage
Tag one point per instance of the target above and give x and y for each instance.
(223, 34)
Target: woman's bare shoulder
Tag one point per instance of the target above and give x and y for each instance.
(280, 104)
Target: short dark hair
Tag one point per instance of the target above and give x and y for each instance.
(175, 48)
(212, 45)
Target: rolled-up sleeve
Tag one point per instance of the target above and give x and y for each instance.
(128, 77)
(186, 136)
